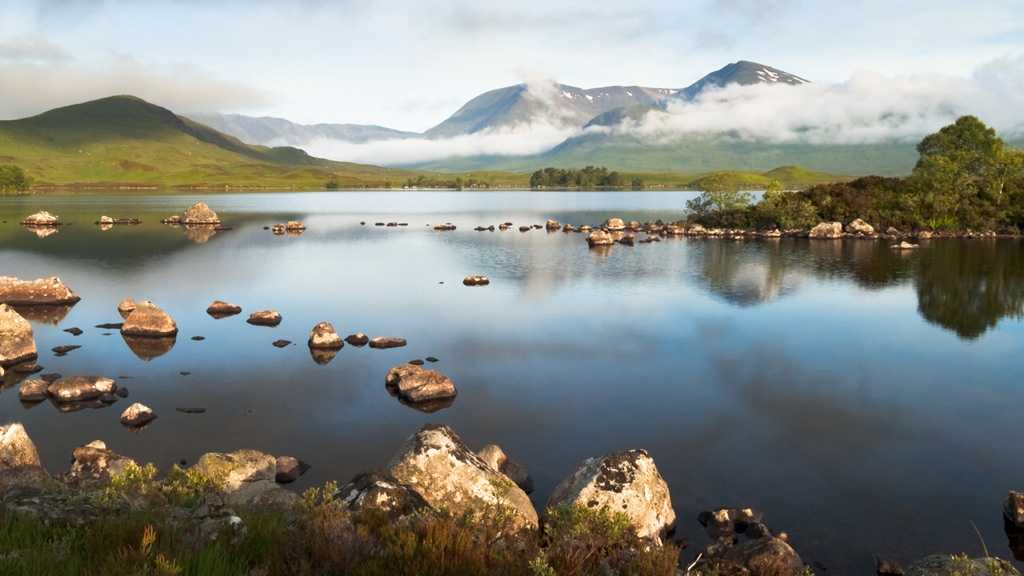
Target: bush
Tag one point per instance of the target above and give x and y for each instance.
(13, 179)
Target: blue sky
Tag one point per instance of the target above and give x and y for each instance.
(409, 64)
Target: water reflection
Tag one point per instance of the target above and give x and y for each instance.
(147, 348)
(52, 315)
(322, 356)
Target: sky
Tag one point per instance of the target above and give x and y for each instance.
(410, 64)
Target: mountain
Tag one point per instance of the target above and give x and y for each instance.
(267, 130)
(744, 73)
(124, 140)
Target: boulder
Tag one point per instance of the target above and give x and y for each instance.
(137, 415)
(387, 342)
(860, 227)
(476, 281)
(16, 448)
(278, 229)
(94, 462)
(220, 309)
(264, 318)
(552, 225)
(626, 482)
(600, 238)
(294, 226)
(925, 234)
(764, 556)
(357, 339)
(288, 469)
(614, 225)
(382, 493)
(726, 523)
(892, 231)
(243, 475)
(827, 230)
(417, 384)
(945, 565)
(17, 343)
(126, 307)
(106, 221)
(199, 214)
(627, 240)
(496, 458)
(33, 390)
(438, 466)
(149, 321)
(446, 227)
(324, 337)
(43, 218)
(41, 291)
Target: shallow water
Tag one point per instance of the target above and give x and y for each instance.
(865, 400)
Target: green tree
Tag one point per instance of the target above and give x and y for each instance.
(14, 179)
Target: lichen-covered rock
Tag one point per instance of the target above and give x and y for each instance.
(387, 342)
(323, 336)
(149, 321)
(16, 448)
(137, 415)
(417, 384)
(264, 318)
(94, 462)
(496, 458)
(943, 565)
(80, 388)
(447, 475)
(200, 214)
(626, 482)
(43, 218)
(126, 307)
(382, 493)
(243, 475)
(614, 225)
(827, 230)
(860, 227)
(17, 343)
(600, 238)
(221, 309)
(32, 390)
(41, 291)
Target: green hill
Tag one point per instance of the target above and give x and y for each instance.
(123, 140)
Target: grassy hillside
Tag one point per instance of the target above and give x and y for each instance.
(123, 140)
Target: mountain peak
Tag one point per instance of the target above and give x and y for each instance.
(744, 73)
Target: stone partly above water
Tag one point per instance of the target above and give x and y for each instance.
(71, 389)
(626, 482)
(95, 463)
(149, 321)
(220, 309)
(33, 390)
(323, 336)
(600, 238)
(200, 214)
(476, 281)
(137, 415)
(42, 291)
(387, 342)
(357, 339)
(17, 343)
(41, 219)
(417, 384)
(827, 230)
(438, 466)
(265, 318)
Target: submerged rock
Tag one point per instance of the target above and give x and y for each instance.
(200, 214)
(70, 389)
(281, 343)
(264, 318)
(357, 339)
(41, 291)
(41, 219)
(220, 309)
(16, 448)
(137, 415)
(417, 384)
(387, 342)
(17, 343)
(149, 321)
(476, 281)
(323, 336)
(438, 466)
(94, 462)
(496, 458)
(626, 482)
(827, 230)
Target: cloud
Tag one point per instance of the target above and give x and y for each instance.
(183, 89)
(32, 50)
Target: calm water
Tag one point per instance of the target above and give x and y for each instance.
(867, 401)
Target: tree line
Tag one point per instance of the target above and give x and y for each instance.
(13, 179)
(966, 178)
(589, 177)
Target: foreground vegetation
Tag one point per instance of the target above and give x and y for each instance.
(967, 178)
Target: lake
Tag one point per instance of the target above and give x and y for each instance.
(866, 400)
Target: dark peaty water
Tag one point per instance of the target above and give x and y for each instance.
(867, 401)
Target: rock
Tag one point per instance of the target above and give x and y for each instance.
(198, 338)
(438, 466)
(827, 230)
(525, 228)
(904, 245)
(387, 342)
(71, 389)
(33, 390)
(627, 240)
(1013, 508)
(64, 349)
(149, 321)
(614, 225)
(357, 339)
(382, 493)
(888, 568)
(106, 221)
(476, 281)
(17, 343)
(893, 231)
(552, 225)
(41, 219)
(94, 462)
(860, 227)
(584, 228)
(765, 556)
(200, 214)
(278, 229)
(16, 448)
(496, 458)
(220, 309)
(41, 291)
(727, 522)
(191, 410)
(448, 226)
(173, 219)
(626, 482)
(431, 359)
(264, 318)
(294, 226)
(288, 469)
(600, 238)
(137, 415)
(417, 384)
(925, 234)
(943, 565)
(325, 337)
(126, 307)
(281, 343)
(110, 325)
(74, 331)
(243, 475)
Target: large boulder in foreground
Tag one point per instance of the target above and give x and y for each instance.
(323, 336)
(199, 214)
(827, 230)
(626, 482)
(436, 464)
(17, 343)
(418, 384)
(944, 565)
(94, 462)
(16, 448)
(41, 291)
(149, 321)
